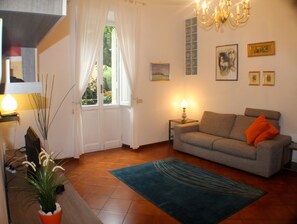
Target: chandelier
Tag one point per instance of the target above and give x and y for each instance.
(209, 14)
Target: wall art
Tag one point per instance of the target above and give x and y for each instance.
(227, 63)
(254, 78)
(261, 49)
(160, 72)
(268, 78)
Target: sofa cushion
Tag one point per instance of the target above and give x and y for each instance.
(240, 125)
(268, 134)
(216, 123)
(256, 128)
(199, 139)
(235, 148)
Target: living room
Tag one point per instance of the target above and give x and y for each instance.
(161, 100)
(162, 37)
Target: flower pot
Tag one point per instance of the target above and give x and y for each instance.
(50, 218)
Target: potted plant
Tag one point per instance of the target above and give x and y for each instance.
(45, 178)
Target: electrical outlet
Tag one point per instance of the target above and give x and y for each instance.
(139, 100)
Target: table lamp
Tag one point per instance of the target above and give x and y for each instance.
(184, 105)
(8, 105)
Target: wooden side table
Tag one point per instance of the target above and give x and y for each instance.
(15, 117)
(292, 165)
(177, 121)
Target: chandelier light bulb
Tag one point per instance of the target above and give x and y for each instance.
(184, 104)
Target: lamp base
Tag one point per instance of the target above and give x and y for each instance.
(184, 115)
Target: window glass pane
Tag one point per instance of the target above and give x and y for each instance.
(107, 66)
(90, 95)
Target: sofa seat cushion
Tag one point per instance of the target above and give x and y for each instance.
(235, 148)
(216, 123)
(199, 139)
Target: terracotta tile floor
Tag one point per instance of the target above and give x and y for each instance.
(114, 202)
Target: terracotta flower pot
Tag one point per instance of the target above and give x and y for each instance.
(51, 218)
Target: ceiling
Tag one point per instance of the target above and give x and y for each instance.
(169, 2)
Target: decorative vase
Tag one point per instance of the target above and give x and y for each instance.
(50, 218)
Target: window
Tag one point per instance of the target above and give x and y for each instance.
(114, 87)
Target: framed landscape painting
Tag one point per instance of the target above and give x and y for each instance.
(227, 63)
(160, 71)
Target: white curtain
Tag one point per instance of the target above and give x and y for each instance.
(89, 19)
(127, 22)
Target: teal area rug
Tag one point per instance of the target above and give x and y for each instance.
(186, 192)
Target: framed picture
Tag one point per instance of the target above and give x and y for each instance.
(261, 49)
(227, 63)
(160, 71)
(254, 78)
(268, 78)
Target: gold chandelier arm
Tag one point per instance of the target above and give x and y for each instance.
(221, 13)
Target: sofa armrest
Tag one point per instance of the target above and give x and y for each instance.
(183, 128)
(272, 152)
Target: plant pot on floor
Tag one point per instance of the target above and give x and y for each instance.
(50, 218)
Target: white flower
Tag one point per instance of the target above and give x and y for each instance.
(44, 158)
(31, 164)
(58, 167)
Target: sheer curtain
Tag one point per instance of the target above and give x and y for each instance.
(89, 19)
(127, 22)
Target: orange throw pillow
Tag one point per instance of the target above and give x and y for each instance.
(256, 128)
(268, 134)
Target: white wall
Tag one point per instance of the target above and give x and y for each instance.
(163, 41)
(56, 61)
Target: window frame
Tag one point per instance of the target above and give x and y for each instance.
(119, 78)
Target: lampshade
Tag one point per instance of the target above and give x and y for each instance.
(9, 104)
(184, 104)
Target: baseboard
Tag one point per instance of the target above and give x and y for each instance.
(146, 145)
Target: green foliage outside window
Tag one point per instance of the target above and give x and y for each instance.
(90, 95)
(107, 93)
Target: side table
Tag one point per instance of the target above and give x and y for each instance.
(292, 165)
(177, 121)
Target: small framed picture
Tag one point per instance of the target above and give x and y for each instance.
(160, 71)
(254, 78)
(268, 78)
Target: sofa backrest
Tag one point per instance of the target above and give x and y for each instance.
(269, 114)
(243, 122)
(216, 123)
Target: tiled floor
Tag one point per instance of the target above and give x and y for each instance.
(115, 203)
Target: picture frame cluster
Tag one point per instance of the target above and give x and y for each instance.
(268, 78)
